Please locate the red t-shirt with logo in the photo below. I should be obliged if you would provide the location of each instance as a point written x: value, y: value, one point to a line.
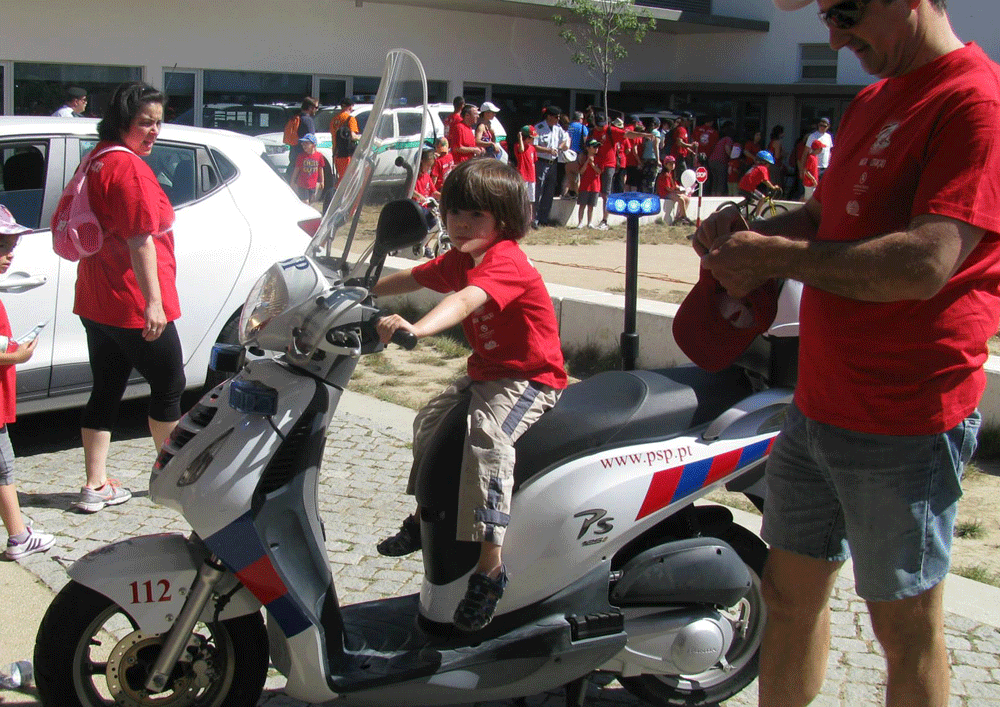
x: 526, y: 161
x: 464, y: 137
x: 752, y: 179
x: 8, y: 376
x: 128, y: 202
x: 515, y: 334
x: 927, y: 142
x: 309, y: 166
x: 423, y: 187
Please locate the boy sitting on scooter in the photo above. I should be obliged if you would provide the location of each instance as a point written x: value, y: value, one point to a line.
x: 515, y: 372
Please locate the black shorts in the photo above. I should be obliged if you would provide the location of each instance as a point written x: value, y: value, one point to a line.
x: 633, y: 176
x: 586, y: 198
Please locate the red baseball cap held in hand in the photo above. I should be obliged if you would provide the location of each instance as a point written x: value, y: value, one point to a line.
x: 713, y: 328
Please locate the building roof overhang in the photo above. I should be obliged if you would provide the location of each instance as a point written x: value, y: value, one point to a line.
x: 667, y: 21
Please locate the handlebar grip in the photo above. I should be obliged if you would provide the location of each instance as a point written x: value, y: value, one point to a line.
x: 406, y: 339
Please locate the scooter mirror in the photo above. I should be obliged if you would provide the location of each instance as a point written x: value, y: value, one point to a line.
x: 402, y: 224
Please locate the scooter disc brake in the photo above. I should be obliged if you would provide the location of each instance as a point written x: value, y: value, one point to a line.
x: 129, y: 665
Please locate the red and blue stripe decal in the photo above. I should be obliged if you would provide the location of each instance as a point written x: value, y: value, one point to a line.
x: 240, y: 549
x: 679, y: 482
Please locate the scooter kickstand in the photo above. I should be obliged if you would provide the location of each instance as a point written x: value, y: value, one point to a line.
x: 576, y: 691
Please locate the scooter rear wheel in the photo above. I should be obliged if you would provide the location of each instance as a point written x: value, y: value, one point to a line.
x: 713, y: 686
x: 89, y: 653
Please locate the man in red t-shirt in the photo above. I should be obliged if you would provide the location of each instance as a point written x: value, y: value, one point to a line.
x: 682, y: 149
x: 705, y: 136
x: 463, y: 146
x: 899, y: 251
x: 455, y: 118
x: 611, y: 137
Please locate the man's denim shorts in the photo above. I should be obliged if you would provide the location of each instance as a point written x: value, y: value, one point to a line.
x: 891, y: 500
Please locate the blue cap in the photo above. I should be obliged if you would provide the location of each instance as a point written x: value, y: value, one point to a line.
x: 766, y: 156
x: 309, y: 137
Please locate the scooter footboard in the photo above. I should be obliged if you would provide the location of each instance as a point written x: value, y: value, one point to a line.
x: 149, y: 577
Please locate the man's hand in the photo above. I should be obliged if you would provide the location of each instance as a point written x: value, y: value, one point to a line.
x: 717, y: 227
x: 736, y: 261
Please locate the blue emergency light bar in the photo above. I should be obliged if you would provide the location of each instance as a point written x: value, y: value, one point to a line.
x: 633, y: 204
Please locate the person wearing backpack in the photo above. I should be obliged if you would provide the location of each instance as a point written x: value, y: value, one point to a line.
x: 306, y: 125
x: 126, y: 292
x: 344, y: 128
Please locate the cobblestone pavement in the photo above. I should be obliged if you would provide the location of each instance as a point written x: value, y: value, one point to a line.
x: 361, y: 501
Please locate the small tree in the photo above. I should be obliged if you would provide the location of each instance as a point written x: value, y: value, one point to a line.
x: 594, y: 30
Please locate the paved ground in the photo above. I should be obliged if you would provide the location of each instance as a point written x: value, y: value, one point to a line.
x: 366, y: 459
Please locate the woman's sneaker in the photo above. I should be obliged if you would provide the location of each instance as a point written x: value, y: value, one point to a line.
x: 404, y: 542
x: 111, y: 494
x: 476, y: 609
x: 35, y: 542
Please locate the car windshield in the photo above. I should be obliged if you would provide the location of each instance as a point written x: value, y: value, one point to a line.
x: 246, y: 119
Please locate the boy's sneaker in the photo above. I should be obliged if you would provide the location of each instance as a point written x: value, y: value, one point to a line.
x: 111, y: 494
x: 404, y: 542
x: 476, y: 609
x: 35, y: 542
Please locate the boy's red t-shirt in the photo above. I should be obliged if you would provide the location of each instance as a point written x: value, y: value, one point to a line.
x: 526, y: 161
x: 423, y: 188
x: 632, y: 147
x: 8, y: 376
x: 128, y: 202
x: 811, y: 176
x: 610, y: 138
x: 309, y: 167
x: 680, y: 133
x: 927, y: 142
x: 443, y: 164
x: 590, y: 177
x: 515, y: 334
x: 752, y: 179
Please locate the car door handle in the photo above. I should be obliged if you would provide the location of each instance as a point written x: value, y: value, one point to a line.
x: 21, y: 282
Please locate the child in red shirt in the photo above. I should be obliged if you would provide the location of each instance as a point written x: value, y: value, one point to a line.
x: 308, y: 173
x: 516, y: 364
x: 590, y: 183
x: 670, y: 191
x: 443, y: 163
x: 22, y: 540
x: 757, y: 175
x: 810, y: 175
x: 525, y: 154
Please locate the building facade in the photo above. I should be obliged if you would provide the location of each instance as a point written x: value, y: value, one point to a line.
x: 733, y: 59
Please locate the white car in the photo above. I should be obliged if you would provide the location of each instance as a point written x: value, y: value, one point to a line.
x: 234, y: 218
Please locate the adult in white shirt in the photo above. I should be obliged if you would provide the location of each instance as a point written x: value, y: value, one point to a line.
x: 76, y: 103
x: 822, y: 134
x: 551, y: 139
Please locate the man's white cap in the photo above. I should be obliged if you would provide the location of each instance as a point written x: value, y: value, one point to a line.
x: 792, y: 4
x: 489, y: 106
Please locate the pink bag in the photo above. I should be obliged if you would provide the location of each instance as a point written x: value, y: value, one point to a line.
x: 76, y: 232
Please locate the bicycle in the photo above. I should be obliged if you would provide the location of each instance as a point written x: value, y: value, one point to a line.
x: 748, y: 206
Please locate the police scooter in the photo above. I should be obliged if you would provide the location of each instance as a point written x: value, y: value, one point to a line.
x: 614, y: 567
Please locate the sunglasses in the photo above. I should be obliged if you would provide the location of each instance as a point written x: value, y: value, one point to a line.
x: 844, y: 15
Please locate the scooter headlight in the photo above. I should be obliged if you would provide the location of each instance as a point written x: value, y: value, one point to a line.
x: 267, y: 299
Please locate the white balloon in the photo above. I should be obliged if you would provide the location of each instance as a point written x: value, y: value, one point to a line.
x: 688, y: 178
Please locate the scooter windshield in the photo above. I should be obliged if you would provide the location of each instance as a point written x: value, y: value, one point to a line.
x: 383, y: 167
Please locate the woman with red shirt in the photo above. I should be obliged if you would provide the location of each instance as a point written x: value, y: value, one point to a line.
x: 126, y: 293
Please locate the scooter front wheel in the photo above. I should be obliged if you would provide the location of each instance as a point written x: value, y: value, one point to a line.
x: 89, y: 653
x: 742, y: 659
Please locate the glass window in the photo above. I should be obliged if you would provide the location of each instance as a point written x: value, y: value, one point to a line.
x: 227, y: 170
x: 818, y: 64
x: 365, y: 88
x: 39, y: 89
x: 175, y: 169
x: 252, y: 102
x: 410, y: 122
x: 437, y: 91
x: 331, y: 91
x: 179, y: 89
x: 23, y: 179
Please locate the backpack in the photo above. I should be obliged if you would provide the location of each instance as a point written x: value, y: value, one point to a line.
x: 291, y: 136
x: 346, y: 144
x: 76, y: 233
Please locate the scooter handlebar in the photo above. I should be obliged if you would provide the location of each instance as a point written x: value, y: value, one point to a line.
x: 400, y: 337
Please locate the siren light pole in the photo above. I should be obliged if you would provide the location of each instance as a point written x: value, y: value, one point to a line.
x: 632, y: 206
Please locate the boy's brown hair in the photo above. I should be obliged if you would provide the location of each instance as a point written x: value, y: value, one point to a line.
x: 491, y: 186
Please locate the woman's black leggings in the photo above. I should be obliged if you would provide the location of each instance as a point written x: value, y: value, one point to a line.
x: 114, y: 352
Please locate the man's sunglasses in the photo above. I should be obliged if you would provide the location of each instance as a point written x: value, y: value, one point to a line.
x: 844, y: 15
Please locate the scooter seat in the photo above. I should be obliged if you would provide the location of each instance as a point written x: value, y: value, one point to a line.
x: 618, y: 407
